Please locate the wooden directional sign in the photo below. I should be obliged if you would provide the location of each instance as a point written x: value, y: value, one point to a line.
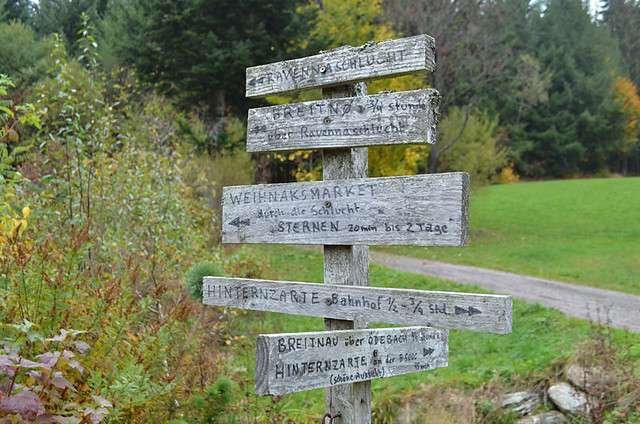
x: 419, y: 210
x: 381, y: 119
x: 344, y: 65
x: 289, y: 363
x: 460, y: 311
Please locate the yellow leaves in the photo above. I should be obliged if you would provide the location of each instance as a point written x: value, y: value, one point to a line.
x: 626, y: 93
x: 13, y: 135
x: 347, y: 22
x: 12, y: 224
x: 291, y: 156
x: 508, y: 175
x: 20, y: 225
x: 387, y: 161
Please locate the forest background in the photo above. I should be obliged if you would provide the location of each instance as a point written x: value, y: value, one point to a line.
x: 121, y: 120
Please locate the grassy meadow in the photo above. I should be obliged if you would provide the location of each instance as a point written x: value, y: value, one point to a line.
x: 481, y: 366
x: 582, y: 231
x: 579, y: 231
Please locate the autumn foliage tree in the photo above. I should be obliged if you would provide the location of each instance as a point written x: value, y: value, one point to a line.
x: 626, y: 94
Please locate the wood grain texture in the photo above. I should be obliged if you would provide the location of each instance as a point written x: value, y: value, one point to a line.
x: 344, y: 65
x: 289, y: 363
x: 380, y: 119
x: 456, y: 311
x: 346, y: 265
x: 419, y: 210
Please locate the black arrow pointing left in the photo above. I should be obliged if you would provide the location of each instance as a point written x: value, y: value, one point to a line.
x: 238, y: 222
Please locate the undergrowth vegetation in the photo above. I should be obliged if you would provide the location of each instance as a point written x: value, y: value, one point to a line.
x: 99, y: 219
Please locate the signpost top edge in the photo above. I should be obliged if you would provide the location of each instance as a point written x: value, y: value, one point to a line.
x: 441, y: 177
x: 214, y: 279
x: 343, y: 65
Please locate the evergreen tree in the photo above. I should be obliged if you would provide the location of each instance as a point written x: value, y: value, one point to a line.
x: 16, y: 10
x: 197, y: 50
x: 576, y: 129
x: 477, y: 65
x: 622, y: 17
x: 64, y: 17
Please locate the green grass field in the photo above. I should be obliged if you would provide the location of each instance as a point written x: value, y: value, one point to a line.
x: 579, y: 231
x: 542, y: 339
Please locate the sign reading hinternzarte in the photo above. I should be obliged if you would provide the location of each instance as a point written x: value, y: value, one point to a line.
x: 289, y: 363
x: 419, y: 210
x: 461, y: 311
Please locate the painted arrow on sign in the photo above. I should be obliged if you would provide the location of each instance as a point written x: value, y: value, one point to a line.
x: 238, y: 222
x: 256, y: 81
x: 471, y: 311
x: 419, y: 210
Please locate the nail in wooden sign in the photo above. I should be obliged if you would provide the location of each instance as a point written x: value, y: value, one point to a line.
x: 460, y: 311
x: 376, y: 120
x: 419, y: 210
x: 344, y: 65
x: 289, y: 363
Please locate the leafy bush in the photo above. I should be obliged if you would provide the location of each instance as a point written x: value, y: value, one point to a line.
x: 50, y: 387
x: 96, y: 239
x: 478, y: 151
x: 23, y: 57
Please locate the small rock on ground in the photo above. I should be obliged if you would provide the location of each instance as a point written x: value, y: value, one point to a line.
x: 568, y: 399
x: 552, y: 417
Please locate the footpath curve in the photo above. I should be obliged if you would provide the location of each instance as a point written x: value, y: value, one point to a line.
x: 616, y: 309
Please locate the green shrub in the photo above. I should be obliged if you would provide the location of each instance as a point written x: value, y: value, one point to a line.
x: 478, y: 150
x: 194, y: 275
x: 23, y: 57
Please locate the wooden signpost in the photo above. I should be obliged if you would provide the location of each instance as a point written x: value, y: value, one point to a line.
x: 420, y: 210
x: 289, y: 363
x: 346, y: 213
x: 381, y: 119
x: 342, y: 66
x: 457, y: 311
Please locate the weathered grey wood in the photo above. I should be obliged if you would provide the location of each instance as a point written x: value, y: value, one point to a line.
x: 346, y: 265
x: 380, y: 119
x: 344, y: 65
x: 289, y: 363
x: 456, y: 311
x: 419, y: 210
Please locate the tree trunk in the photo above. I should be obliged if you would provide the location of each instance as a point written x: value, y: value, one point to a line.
x: 214, y: 115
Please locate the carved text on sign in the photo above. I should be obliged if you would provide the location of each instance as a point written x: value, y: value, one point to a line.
x: 381, y: 119
x: 423, y: 210
x: 461, y: 311
x: 288, y: 363
x: 343, y: 66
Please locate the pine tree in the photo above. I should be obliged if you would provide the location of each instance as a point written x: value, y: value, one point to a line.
x: 197, y: 50
x: 622, y: 17
x: 64, y: 17
x: 16, y: 10
x: 577, y: 128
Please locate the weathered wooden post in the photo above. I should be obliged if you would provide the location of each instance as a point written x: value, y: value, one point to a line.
x: 347, y: 265
x: 346, y: 213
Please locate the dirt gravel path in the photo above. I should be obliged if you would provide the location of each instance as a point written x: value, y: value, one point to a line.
x: 620, y: 310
